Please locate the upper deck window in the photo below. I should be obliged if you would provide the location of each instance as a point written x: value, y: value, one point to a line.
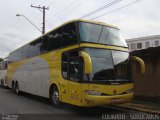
x: 69, y: 35
x: 55, y: 39
x: 100, y: 34
x: 42, y: 44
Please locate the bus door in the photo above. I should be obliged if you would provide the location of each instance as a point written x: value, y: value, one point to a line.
x: 71, y: 72
x: 74, y: 84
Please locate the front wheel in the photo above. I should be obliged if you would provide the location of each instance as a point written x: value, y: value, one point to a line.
x: 54, y: 96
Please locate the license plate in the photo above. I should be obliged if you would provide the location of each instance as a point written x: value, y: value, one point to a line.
x: 115, y: 100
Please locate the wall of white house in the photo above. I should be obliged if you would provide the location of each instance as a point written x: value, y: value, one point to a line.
x: 143, y: 43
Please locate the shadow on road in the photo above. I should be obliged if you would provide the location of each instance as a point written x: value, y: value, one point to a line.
x: 45, y: 111
x: 77, y: 110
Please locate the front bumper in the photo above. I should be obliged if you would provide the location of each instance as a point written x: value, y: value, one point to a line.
x: 91, y: 100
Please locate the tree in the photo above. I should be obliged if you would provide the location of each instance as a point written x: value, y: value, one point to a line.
x: 1, y: 59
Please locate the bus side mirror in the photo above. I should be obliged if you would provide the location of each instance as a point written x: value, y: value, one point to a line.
x: 141, y: 63
x: 87, y: 62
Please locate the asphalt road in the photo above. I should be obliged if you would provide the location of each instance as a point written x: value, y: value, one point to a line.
x: 29, y: 107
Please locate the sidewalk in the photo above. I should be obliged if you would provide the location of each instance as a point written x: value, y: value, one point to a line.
x: 142, y: 106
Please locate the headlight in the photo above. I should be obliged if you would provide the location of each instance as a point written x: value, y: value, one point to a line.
x: 92, y: 92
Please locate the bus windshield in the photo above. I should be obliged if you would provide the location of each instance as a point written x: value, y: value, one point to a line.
x: 100, y: 34
x: 109, y: 65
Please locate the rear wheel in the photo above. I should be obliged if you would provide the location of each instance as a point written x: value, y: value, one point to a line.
x: 54, y: 96
x: 2, y: 82
x: 16, y: 89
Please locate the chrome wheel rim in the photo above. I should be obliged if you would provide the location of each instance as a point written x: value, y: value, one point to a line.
x: 17, y: 90
x: 55, y: 97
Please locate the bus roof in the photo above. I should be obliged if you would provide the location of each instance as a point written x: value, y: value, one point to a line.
x: 82, y: 20
x: 76, y: 20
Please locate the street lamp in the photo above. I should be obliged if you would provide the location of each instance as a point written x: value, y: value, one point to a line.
x: 18, y: 15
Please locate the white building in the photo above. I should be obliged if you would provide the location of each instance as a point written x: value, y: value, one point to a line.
x: 143, y: 42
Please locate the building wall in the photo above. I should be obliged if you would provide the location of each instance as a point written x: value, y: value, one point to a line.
x: 153, y: 41
x: 147, y: 84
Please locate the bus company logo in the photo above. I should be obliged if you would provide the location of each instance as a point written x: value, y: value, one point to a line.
x: 114, y: 92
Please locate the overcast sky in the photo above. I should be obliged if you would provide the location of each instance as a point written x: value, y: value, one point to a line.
x: 137, y: 20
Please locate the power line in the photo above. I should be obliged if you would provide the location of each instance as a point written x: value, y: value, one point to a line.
x: 86, y: 6
x: 69, y: 9
x: 64, y: 9
x: 73, y: 11
x: 117, y: 9
x: 79, y: 8
x: 101, y: 8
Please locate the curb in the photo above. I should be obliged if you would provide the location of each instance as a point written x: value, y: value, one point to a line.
x: 139, y: 109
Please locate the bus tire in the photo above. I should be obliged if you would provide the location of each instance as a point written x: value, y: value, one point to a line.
x: 12, y: 85
x: 16, y: 88
x: 2, y: 83
x: 54, y: 96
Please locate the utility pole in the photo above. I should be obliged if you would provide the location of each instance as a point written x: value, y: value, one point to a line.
x: 44, y: 12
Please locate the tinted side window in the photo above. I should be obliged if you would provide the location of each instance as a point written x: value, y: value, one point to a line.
x: 55, y: 40
x: 69, y: 34
x: 71, y: 66
x: 42, y: 44
x: 25, y: 51
x: 32, y: 49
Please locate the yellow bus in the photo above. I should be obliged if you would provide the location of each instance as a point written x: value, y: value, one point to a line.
x: 81, y: 62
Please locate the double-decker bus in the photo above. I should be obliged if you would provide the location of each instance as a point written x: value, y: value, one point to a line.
x: 81, y: 62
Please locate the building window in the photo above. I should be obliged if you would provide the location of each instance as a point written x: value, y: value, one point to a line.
x: 133, y: 46
x: 139, y: 45
x: 147, y: 44
x: 156, y: 43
